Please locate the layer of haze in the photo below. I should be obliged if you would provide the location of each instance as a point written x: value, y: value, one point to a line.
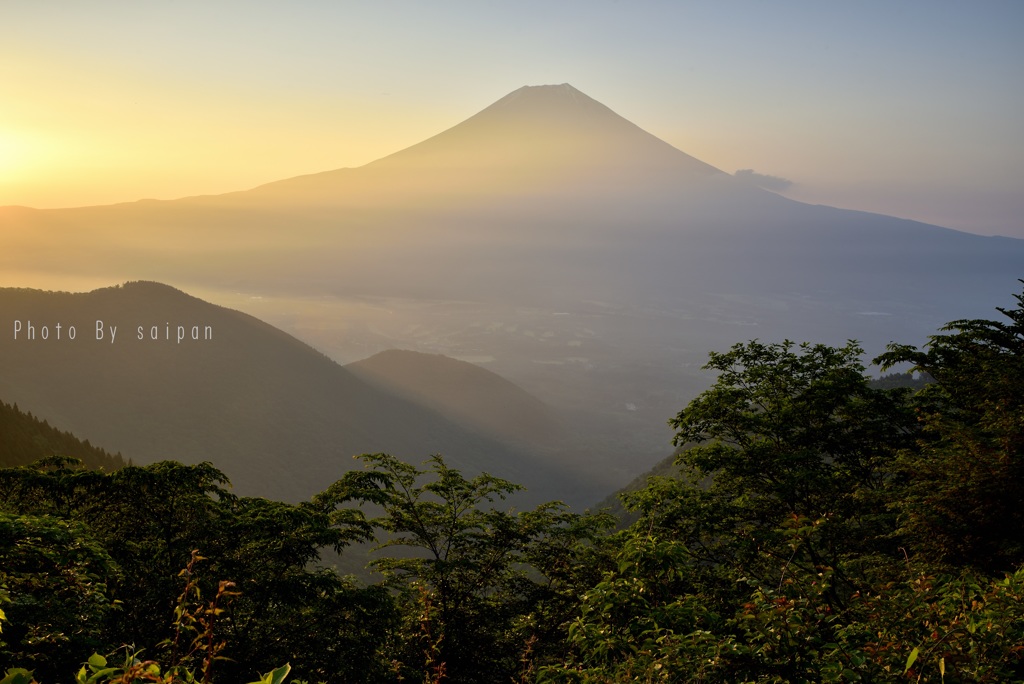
x: 912, y: 108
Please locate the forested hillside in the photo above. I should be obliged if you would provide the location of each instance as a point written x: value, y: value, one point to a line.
x: 24, y: 439
x: 817, y: 528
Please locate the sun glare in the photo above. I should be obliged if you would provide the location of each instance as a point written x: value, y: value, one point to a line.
x: 13, y: 153
x: 34, y: 165
x: 22, y: 155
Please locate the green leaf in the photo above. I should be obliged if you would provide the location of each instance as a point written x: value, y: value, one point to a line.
x: 104, y: 674
x: 96, y: 661
x: 17, y: 675
x: 275, y: 676
x: 910, y: 659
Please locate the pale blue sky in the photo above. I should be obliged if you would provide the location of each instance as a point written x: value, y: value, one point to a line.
x: 913, y: 108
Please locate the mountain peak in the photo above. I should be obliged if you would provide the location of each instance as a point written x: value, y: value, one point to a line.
x: 561, y: 102
x: 542, y: 139
x: 562, y: 91
x: 546, y: 127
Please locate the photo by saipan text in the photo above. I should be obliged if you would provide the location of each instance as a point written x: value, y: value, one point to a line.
x: 27, y: 331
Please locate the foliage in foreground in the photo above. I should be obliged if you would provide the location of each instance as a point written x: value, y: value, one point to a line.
x: 92, y: 564
x: 820, y: 529
x: 824, y: 530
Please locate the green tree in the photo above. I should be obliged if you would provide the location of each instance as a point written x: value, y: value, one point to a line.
x: 478, y: 586
x: 57, y: 579
x: 788, y: 438
x: 149, y: 521
x: 289, y: 609
x: 965, y: 485
x: 747, y: 565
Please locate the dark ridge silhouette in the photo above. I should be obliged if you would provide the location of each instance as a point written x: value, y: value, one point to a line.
x: 24, y: 439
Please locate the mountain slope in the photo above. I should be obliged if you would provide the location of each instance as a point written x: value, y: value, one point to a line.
x: 470, y: 395
x: 278, y: 417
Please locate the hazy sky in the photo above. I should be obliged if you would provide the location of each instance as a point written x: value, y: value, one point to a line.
x: 909, y: 107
